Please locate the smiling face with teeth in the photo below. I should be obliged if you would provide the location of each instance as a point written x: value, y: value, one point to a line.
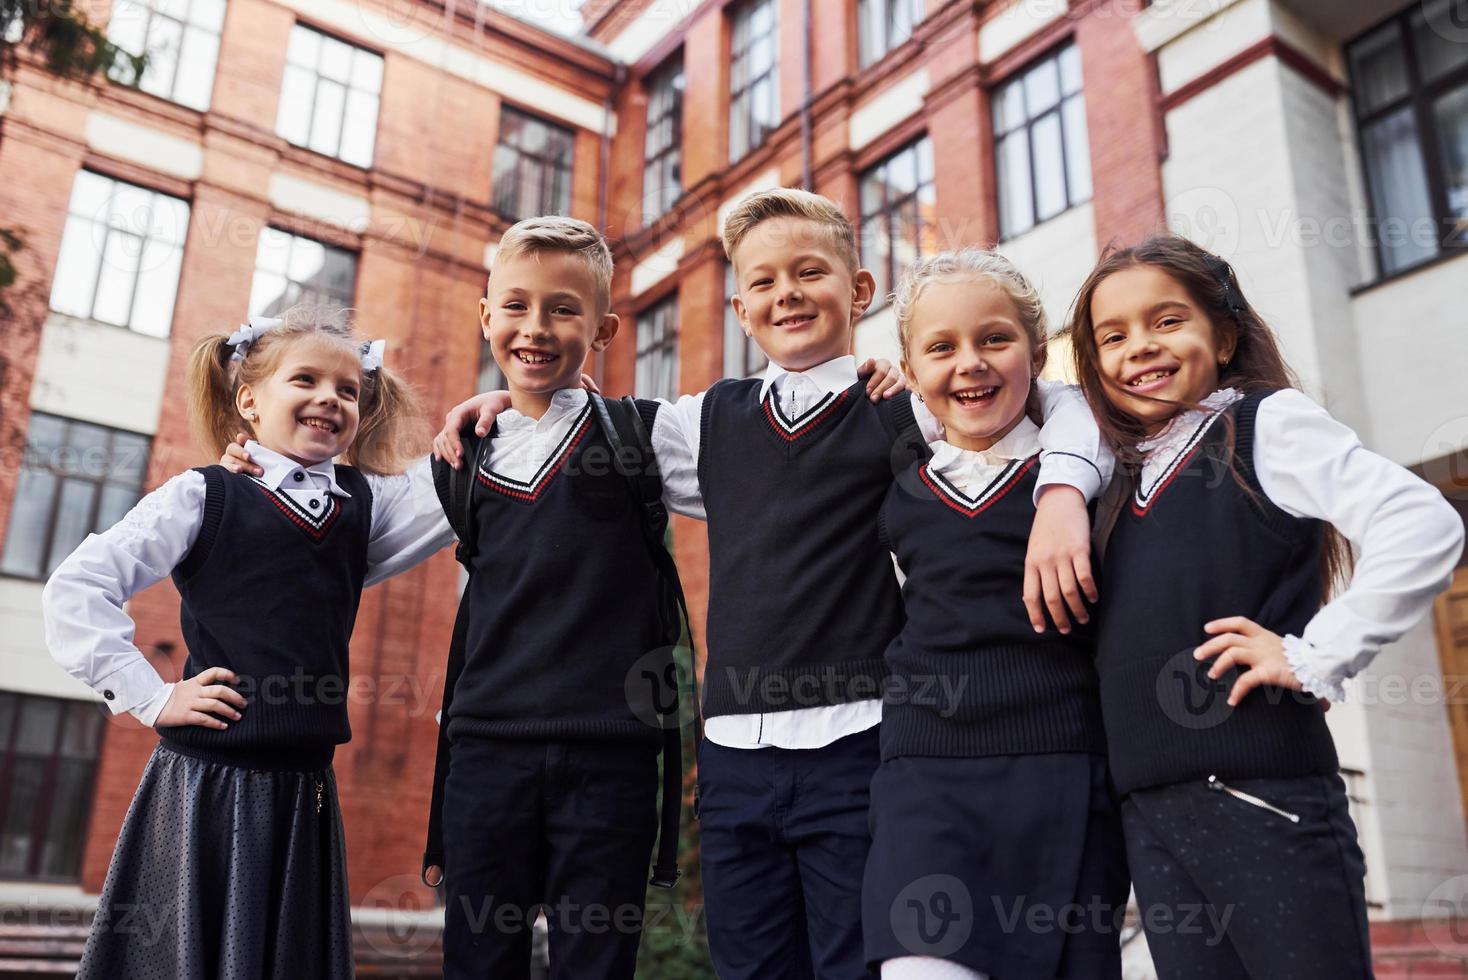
x: 1157, y: 349
x: 970, y: 358
x: 541, y: 318
x: 307, y: 407
x: 797, y: 297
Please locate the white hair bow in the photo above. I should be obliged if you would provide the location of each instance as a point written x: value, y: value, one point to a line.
x: 372, y: 352
x: 250, y: 332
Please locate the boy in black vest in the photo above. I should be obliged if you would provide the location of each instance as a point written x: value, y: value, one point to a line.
x: 550, y: 798
x: 790, y: 472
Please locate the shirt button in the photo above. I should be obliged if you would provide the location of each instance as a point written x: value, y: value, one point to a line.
x: 109, y: 695
x: 315, y: 504
x: 298, y: 476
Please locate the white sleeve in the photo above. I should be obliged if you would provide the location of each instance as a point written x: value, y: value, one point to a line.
x: 87, y: 629
x: 1407, y: 538
x: 1071, y: 450
x: 408, y: 522
x: 675, y: 441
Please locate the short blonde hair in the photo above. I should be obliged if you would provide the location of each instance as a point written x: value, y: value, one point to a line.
x: 971, y: 265
x: 787, y: 202
x: 553, y: 233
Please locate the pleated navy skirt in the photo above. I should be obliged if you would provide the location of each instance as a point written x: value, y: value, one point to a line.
x: 1014, y: 865
x: 225, y: 873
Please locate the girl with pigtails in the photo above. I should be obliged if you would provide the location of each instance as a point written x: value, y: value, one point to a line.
x: 230, y: 862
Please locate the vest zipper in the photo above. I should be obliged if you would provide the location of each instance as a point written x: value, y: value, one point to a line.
x: 320, y: 794
x: 1215, y: 783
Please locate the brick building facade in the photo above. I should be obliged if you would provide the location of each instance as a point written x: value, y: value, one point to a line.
x: 1286, y: 134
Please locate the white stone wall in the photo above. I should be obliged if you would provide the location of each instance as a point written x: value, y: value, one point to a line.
x: 1263, y: 169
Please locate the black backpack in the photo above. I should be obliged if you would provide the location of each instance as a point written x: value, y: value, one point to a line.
x: 633, y: 456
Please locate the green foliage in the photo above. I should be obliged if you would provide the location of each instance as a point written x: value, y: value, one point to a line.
x: 10, y: 243
x: 675, y: 934
x: 72, y: 47
x: 58, y: 31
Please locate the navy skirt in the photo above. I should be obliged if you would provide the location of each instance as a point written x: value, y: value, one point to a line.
x: 1014, y: 866
x: 225, y: 873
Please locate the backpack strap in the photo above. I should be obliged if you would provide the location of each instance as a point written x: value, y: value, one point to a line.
x: 908, y: 444
x: 456, y: 494
x: 627, y: 430
x: 455, y: 490
x: 209, y: 529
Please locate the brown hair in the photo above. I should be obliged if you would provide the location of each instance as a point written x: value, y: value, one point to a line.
x: 390, y: 432
x: 1255, y: 365
x: 978, y: 265
x: 787, y: 202
x: 552, y: 233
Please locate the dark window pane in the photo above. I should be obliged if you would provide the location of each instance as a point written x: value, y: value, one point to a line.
x: 1399, y: 196
x: 16, y: 838
x: 129, y: 460
x: 9, y: 706
x: 1438, y: 35
x: 1452, y: 131
x: 40, y: 721
x: 82, y: 730
x: 30, y: 518
x: 74, y: 519
x: 70, y: 804
x: 1379, y: 68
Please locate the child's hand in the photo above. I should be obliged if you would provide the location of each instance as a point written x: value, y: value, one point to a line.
x: 236, y: 460
x: 484, y: 407
x: 1244, y: 642
x: 197, y: 700
x: 1058, y: 562
x: 589, y: 383
x: 883, y: 380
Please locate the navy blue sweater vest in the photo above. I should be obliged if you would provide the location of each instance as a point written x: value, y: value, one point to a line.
x: 270, y: 591
x: 969, y: 675
x: 802, y: 597
x: 1199, y: 546
x: 566, y: 607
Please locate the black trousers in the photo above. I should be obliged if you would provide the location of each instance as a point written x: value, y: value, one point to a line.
x: 1229, y: 889
x: 783, y: 841
x: 566, y: 828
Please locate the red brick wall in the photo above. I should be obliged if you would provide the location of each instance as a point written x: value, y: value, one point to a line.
x: 420, y: 274
x: 1126, y: 148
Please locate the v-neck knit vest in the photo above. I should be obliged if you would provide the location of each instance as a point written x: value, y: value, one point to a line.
x: 1199, y: 546
x: 802, y: 595
x: 270, y: 591
x: 969, y: 675
x: 565, y: 602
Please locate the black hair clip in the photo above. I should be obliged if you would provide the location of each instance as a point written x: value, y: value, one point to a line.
x: 1232, y: 297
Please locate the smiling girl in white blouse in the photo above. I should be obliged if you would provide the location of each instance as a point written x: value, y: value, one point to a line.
x: 1217, y: 648
x: 230, y: 862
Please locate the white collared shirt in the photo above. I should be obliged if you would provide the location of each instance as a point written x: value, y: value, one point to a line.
x: 1072, y: 453
x: 87, y: 627
x: 970, y: 470
x: 1407, y: 538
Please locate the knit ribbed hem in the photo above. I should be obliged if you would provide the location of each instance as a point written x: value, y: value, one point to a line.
x: 731, y: 690
x: 1024, y: 699
x: 571, y: 729
x: 1163, y: 726
x: 295, y: 757
x: 283, y: 716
